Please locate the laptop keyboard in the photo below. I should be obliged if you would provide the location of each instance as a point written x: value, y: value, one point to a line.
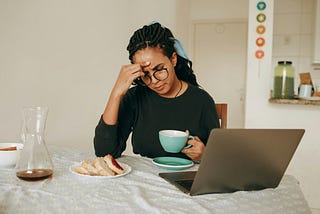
x: 185, y: 183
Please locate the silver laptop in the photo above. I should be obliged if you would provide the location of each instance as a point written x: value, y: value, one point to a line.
x: 240, y: 159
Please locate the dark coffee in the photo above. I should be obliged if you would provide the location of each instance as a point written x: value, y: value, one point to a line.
x: 34, y: 174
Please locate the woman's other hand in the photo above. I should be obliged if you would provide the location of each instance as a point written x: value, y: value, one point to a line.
x: 196, y: 151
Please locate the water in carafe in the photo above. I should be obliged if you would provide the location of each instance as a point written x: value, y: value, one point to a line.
x: 34, y: 162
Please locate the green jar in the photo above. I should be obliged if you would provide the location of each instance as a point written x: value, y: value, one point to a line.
x: 283, y: 84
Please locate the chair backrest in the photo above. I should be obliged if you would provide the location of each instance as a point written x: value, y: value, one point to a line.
x: 222, y: 110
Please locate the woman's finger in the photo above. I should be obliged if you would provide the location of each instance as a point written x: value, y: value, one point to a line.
x: 145, y: 64
x: 196, y: 138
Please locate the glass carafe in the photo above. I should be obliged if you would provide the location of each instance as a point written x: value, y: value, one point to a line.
x: 34, y: 162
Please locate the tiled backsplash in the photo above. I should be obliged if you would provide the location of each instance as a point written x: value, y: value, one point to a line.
x: 293, y: 36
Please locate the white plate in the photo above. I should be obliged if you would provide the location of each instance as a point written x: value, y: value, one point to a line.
x: 126, y: 168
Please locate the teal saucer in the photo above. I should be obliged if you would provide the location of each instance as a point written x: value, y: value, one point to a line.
x: 172, y: 163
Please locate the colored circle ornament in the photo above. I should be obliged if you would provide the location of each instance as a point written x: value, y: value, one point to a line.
x: 261, y: 17
x: 261, y: 5
x: 259, y: 54
x: 260, y: 42
x: 261, y: 29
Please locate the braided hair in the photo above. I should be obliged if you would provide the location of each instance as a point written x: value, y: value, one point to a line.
x: 155, y: 35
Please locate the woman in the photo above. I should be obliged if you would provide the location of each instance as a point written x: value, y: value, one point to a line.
x: 166, y: 95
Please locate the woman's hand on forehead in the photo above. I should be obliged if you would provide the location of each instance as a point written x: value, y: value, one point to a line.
x: 145, y: 64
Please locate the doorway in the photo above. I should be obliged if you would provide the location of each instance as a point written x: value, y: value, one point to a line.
x: 220, y: 57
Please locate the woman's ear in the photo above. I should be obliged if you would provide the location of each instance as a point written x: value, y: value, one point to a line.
x: 174, y: 59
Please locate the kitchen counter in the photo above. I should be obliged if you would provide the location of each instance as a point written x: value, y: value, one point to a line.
x: 311, y: 101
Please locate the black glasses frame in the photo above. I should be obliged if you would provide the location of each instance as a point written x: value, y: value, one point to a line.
x: 139, y: 80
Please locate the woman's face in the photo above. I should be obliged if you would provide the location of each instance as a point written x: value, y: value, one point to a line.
x: 158, y: 61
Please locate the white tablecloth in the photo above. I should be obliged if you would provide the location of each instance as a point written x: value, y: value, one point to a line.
x: 140, y: 191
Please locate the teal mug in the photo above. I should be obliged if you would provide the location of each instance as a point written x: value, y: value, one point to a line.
x: 174, y: 141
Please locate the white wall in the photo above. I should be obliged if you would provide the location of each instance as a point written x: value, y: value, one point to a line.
x: 293, y: 36
x: 66, y: 55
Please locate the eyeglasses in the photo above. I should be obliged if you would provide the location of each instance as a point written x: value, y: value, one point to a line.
x: 160, y: 74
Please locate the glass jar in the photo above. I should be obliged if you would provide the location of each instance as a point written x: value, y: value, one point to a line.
x: 283, y: 84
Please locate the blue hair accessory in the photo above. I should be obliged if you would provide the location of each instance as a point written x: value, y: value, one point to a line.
x: 179, y: 49
x: 177, y: 44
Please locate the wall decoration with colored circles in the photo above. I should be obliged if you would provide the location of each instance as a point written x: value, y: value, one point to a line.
x: 260, y: 29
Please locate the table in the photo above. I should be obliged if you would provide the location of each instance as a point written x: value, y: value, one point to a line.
x: 140, y: 191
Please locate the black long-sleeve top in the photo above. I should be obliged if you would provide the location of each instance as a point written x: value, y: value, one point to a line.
x: 144, y: 113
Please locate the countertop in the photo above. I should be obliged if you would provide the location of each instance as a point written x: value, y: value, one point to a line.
x: 297, y: 101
